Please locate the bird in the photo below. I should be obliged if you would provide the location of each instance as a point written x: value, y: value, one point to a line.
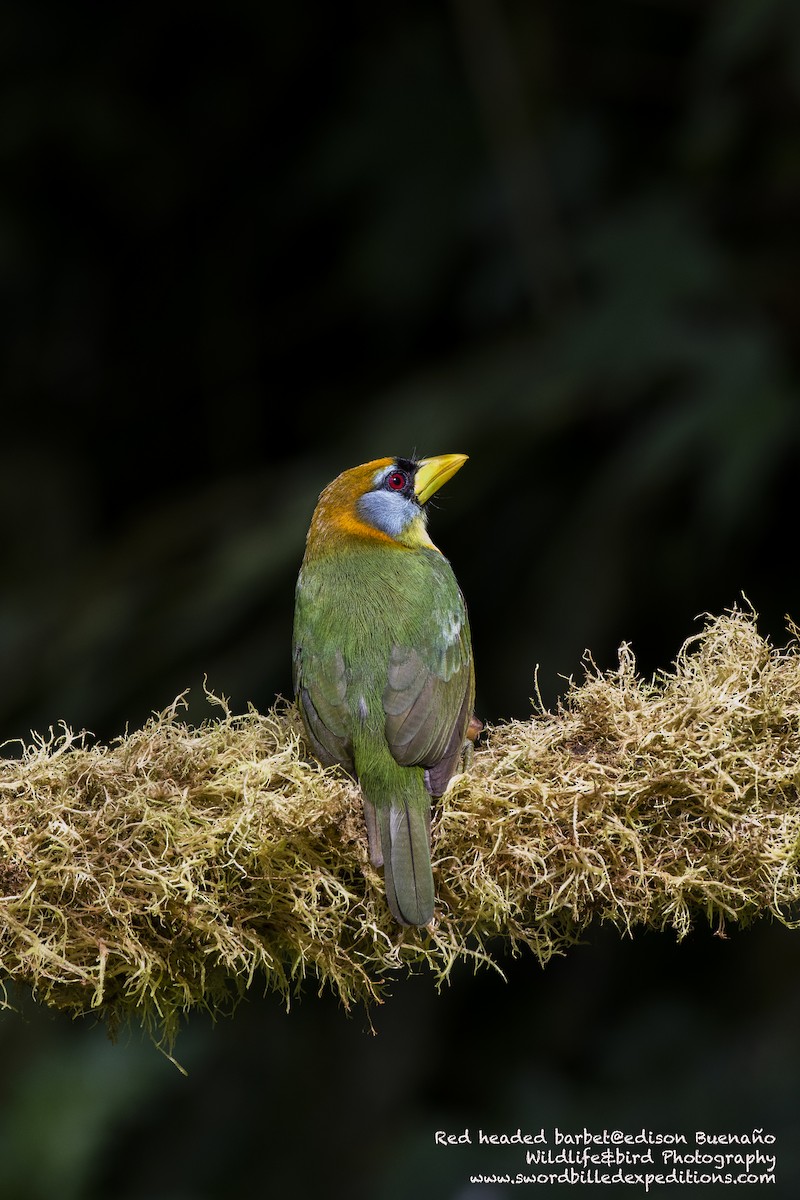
x: 382, y: 660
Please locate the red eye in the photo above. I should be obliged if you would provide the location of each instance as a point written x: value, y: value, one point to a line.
x: 396, y: 481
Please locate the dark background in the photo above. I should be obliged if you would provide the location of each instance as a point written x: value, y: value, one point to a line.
x: 243, y: 251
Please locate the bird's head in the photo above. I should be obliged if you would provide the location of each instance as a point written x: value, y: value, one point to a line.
x: 381, y: 501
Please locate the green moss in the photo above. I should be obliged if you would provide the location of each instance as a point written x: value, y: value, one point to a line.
x: 179, y: 866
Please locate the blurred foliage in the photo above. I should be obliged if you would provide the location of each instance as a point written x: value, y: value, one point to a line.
x: 243, y: 249
x: 243, y: 252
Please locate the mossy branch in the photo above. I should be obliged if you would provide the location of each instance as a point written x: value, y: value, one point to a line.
x: 178, y: 866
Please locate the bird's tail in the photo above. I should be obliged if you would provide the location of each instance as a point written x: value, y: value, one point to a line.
x: 406, y: 843
x: 399, y: 831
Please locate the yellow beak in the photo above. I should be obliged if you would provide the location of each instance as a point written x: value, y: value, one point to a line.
x: 433, y: 472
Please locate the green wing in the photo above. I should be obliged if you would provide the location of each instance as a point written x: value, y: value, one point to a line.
x: 430, y: 687
x: 320, y: 683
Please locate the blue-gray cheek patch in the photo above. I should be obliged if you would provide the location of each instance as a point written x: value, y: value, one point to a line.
x: 387, y: 511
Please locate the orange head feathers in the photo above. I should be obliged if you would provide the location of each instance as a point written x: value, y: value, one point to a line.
x: 380, y: 501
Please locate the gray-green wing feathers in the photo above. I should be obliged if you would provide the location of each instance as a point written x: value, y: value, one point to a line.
x: 321, y: 674
x: 428, y: 701
x: 321, y: 690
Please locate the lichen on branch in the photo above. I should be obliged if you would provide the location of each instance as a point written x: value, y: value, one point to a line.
x: 179, y: 866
